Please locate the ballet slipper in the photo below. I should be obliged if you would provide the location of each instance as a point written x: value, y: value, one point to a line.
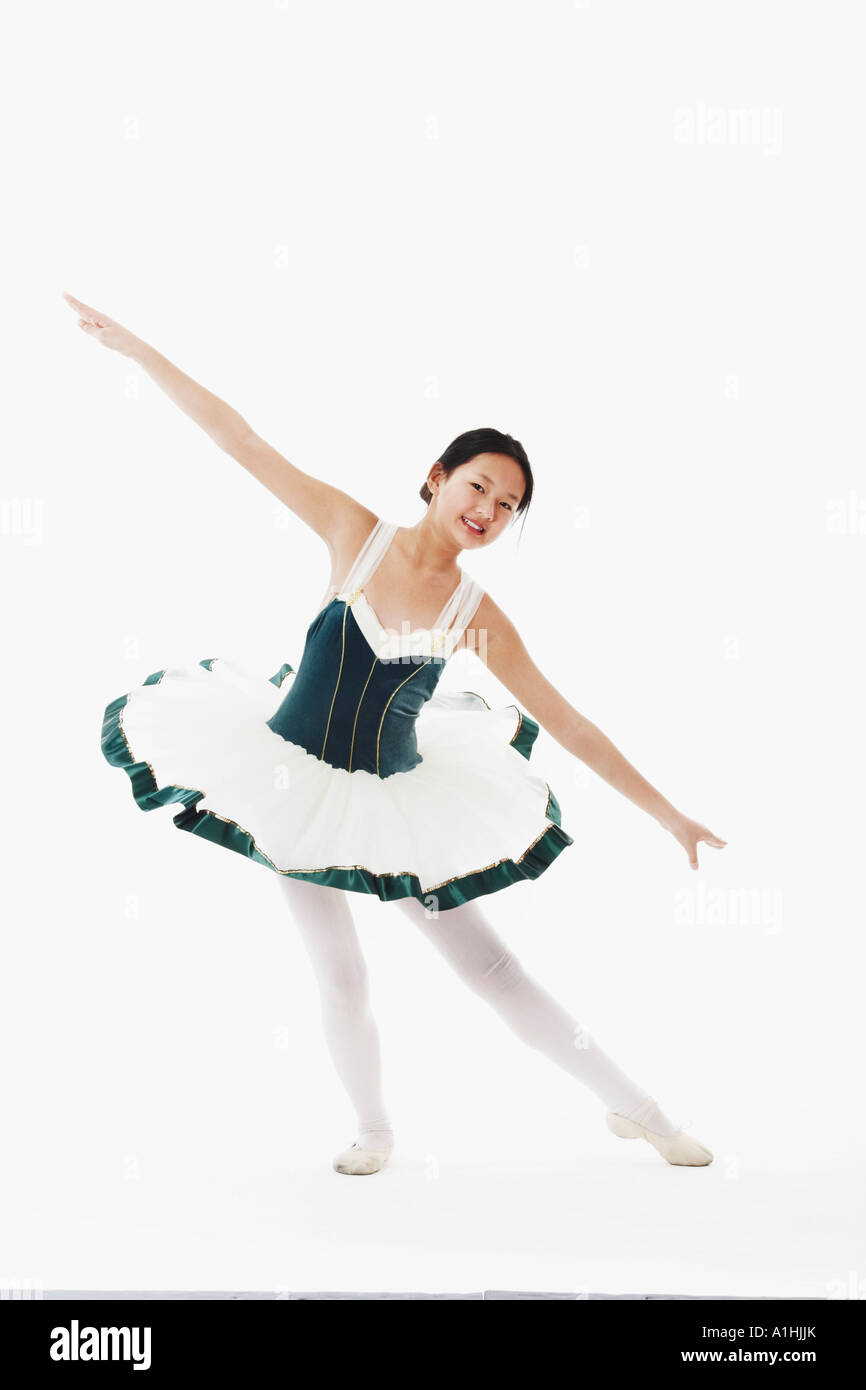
x: 679, y: 1148
x: 356, y: 1159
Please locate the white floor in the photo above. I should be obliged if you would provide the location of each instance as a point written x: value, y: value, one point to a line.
x: 575, y: 1210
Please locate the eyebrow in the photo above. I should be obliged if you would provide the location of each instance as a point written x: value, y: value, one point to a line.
x: 512, y: 495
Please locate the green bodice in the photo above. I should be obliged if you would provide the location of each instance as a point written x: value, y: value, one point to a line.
x: 350, y: 707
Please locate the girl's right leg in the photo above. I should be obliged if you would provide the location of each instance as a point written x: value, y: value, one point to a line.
x: 473, y: 949
x: 481, y: 958
x: 324, y: 919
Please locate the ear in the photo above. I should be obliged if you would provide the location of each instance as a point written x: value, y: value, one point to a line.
x: 435, y: 477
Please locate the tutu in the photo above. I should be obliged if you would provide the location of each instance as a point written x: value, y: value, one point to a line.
x: 353, y: 770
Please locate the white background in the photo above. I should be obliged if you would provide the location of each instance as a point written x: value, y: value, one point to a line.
x: 370, y: 228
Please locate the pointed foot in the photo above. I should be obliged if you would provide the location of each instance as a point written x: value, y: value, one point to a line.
x: 680, y: 1148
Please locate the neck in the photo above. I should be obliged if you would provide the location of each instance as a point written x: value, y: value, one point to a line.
x: 430, y: 550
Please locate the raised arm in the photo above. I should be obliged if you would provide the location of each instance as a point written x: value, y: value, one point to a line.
x: 334, y: 516
x: 505, y: 654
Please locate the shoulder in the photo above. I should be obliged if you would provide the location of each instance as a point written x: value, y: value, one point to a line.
x: 490, y: 631
x: 493, y: 620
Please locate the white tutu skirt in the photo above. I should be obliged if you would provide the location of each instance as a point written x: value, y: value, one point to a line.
x: 469, y: 819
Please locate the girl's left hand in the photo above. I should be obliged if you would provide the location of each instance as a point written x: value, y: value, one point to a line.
x: 689, y: 834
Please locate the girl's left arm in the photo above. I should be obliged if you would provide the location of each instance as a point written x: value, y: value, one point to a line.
x: 501, y: 647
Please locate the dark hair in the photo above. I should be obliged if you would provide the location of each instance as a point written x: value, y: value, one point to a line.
x: 473, y: 442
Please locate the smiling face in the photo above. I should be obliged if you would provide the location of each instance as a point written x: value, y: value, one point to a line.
x: 478, y: 500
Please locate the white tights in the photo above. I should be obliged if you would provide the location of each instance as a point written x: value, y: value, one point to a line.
x: 484, y: 962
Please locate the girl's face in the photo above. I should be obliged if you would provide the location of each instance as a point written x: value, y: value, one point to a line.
x: 478, y: 500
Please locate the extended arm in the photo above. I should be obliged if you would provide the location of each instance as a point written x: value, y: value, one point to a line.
x: 506, y: 656
x: 329, y: 511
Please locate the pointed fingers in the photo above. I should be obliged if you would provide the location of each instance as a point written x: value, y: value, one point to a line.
x: 85, y: 310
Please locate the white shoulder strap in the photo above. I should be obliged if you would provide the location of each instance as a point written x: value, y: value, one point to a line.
x: 369, y: 555
x: 365, y: 561
x: 460, y: 609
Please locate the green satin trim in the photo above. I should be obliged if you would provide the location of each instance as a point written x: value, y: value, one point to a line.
x: 352, y: 878
x: 527, y: 729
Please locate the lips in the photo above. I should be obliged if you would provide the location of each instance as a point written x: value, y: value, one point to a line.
x: 471, y: 526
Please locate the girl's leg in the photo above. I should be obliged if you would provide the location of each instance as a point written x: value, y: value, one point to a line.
x: 471, y: 946
x: 324, y: 919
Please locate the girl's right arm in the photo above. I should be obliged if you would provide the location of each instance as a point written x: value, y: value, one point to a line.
x: 334, y: 516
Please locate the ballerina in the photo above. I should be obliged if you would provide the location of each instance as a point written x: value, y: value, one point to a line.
x: 354, y: 774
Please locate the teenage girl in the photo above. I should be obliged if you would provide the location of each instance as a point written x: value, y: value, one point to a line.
x: 392, y: 581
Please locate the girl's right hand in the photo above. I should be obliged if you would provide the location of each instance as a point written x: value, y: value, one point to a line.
x: 100, y: 326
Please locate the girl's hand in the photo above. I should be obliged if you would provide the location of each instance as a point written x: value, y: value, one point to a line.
x: 100, y: 326
x: 689, y: 833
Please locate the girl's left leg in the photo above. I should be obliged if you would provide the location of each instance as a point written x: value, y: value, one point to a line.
x: 484, y: 962
x: 324, y: 920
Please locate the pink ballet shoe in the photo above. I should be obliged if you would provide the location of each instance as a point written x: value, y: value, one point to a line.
x: 356, y: 1159
x: 679, y: 1148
